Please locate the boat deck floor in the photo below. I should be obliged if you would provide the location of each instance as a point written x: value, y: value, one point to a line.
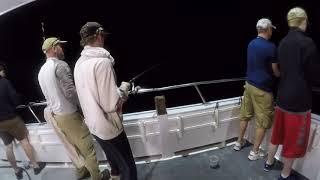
x: 233, y: 166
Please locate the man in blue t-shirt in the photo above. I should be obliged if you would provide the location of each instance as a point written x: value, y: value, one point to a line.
x: 257, y: 96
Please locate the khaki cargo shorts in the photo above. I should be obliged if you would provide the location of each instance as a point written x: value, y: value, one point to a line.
x: 259, y: 103
x: 14, y: 127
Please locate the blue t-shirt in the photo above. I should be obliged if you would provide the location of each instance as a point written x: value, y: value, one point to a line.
x: 261, y: 53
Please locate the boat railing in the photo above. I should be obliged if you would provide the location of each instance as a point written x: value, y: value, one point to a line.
x: 29, y: 107
x: 196, y: 85
x: 138, y: 90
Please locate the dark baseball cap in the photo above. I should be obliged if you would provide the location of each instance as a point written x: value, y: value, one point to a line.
x: 90, y: 28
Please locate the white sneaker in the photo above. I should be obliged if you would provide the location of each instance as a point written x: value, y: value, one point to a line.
x: 253, y: 156
x: 239, y: 145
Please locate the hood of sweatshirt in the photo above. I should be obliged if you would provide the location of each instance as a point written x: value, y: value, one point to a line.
x: 96, y: 52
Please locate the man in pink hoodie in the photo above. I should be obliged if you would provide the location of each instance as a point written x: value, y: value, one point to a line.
x: 101, y: 101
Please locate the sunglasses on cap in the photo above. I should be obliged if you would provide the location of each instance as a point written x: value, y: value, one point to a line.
x: 101, y: 31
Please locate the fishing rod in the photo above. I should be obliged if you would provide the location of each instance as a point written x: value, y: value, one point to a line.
x: 316, y: 89
x: 131, y: 81
x: 142, y: 73
x: 43, y: 32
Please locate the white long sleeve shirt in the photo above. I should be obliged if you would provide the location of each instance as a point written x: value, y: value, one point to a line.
x: 57, y: 86
x: 97, y: 90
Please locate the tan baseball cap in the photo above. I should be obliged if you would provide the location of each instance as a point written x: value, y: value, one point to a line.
x: 296, y: 13
x: 50, y: 42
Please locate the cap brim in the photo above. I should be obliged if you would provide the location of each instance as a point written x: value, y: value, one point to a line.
x: 59, y: 42
x: 105, y: 33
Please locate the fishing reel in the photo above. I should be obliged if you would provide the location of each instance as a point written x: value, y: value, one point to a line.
x: 134, y: 89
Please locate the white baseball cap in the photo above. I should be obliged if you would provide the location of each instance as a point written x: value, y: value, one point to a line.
x: 264, y: 23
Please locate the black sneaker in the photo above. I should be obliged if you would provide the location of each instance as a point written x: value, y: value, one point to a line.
x: 39, y: 169
x: 105, y: 175
x: 19, y: 174
x: 269, y: 167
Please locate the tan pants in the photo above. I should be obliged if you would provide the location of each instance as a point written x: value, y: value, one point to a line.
x: 77, y: 133
x: 259, y: 103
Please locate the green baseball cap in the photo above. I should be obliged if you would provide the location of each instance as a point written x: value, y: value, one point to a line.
x: 50, y: 42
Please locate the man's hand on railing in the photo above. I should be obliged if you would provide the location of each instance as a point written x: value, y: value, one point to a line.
x: 124, y: 90
x: 135, y: 90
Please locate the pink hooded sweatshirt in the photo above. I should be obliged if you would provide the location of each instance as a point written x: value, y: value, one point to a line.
x: 98, y: 92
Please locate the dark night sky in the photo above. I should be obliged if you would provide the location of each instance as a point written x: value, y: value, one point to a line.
x: 194, y: 40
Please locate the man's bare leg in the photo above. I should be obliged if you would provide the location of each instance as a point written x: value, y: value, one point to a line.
x: 28, y: 149
x: 272, y: 150
x: 260, y: 132
x: 11, y: 157
x: 287, y: 166
x: 243, y: 128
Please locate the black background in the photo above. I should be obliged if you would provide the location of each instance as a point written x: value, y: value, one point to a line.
x: 193, y: 40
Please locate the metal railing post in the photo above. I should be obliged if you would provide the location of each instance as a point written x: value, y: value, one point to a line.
x: 200, y: 94
x: 34, y: 114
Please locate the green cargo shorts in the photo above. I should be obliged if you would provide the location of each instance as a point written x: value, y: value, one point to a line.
x: 259, y: 103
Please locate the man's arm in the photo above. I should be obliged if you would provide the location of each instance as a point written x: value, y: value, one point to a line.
x: 274, y: 62
x: 275, y: 69
x: 313, y: 64
x: 107, y: 89
x: 13, y: 95
x: 64, y: 77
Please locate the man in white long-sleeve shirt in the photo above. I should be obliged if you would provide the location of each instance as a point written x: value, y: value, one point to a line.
x: 101, y: 101
x: 57, y: 85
